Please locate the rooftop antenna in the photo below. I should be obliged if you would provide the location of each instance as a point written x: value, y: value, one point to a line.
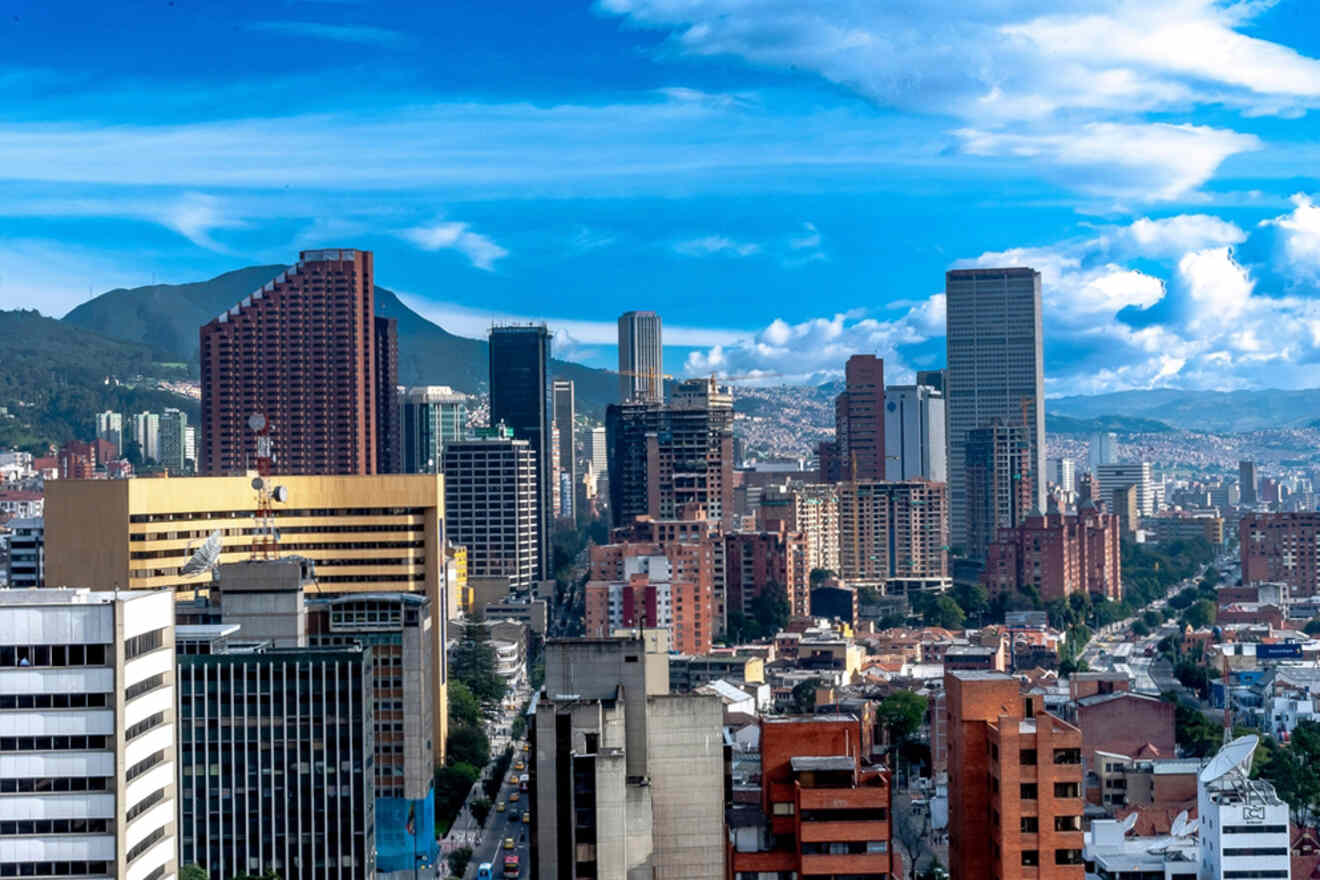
x: 1130, y: 821
x: 265, y: 538
x: 1181, y: 827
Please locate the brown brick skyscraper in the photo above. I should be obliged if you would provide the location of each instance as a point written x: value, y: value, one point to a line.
x: 300, y: 351
x: 859, y: 419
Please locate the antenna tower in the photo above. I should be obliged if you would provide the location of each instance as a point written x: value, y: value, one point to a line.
x: 264, y: 539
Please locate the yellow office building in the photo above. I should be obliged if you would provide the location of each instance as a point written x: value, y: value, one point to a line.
x: 365, y: 533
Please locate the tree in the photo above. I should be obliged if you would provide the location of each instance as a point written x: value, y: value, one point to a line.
x: 133, y: 453
x: 901, y: 713
x: 1069, y: 665
x: 468, y: 744
x: 770, y: 609
x: 463, y: 706
x: 1152, y: 619
x: 480, y: 810
x: 972, y: 599
x: 459, y: 859
x: 909, y: 834
x: 193, y: 872
x: 804, y: 697
x: 945, y: 613
x: 1201, y: 613
x: 1140, y: 629
x: 1312, y: 626
x: 819, y: 576
x: 472, y: 662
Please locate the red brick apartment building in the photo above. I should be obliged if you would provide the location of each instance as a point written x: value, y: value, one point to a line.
x: 826, y: 805
x: 1015, y: 783
x: 301, y: 351
x: 754, y: 560
x: 1281, y: 547
x: 859, y: 419
x: 626, y: 590
x: 1058, y: 554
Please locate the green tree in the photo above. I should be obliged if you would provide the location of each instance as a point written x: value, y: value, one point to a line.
x: 819, y: 576
x: 972, y: 599
x: 1069, y: 665
x: 770, y: 609
x: 1152, y: 619
x: 459, y: 860
x: 901, y: 714
x: 468, y: 744
x: 1312, y: 626
x: 1140, y: 629
x: 944, y: 612
x: 1200, y: 613
x: 193, y: 872
x: 472, y: 662
x: 463, y: 706
x: 804, y: 697
x: 480, y: 810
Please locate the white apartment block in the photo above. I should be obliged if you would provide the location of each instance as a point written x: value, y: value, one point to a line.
x: 1109, y: 477
x: 87, y: 734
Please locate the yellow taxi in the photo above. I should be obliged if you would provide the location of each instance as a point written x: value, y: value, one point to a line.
x: 527, y: 817
x: 520, y: 766
x: 513, y: 798
x: 508, y: 843
x: 499, y: 808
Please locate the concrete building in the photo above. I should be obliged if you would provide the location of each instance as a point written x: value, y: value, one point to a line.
x: 1171, y: 526
x: 300, y: 351
x: 1242, y: 824
x: 1281, y: 547
x: 27, y: 552
x: 519, y: 399
x: 995, y: 371
x: 894, y: 535
x: 599, y: 460
x: 491, y: 500
x: 431, y: 416
x: 87, y: 724
x: 1110, y: 477
x: 998, y: 484
x: 859, y: 418
x: 1248, y: 483
x: 692, y: 527
x: 298, y: 799
x: 628, y: 780
x: 1063, y: 473
x: 110, y: 428
x: 1015, y: 782
x: 641, y: 357
x: 1057, y: 555
x: 824, y: 804
x: 811, y: 509
x: 1125, y: 723
x: 916, y: 445
x: 1126, y: 503
x: 653, y: 586
x: 565, y: 449
x: 173, y: 441
x: 145, y: 429
x: 1103, y: 449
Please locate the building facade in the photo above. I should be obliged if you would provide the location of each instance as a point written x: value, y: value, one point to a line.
x: 491, y: 500
x: 301, y: 352
x: 811, y: 509
x: 998, y: 483
x: 431, y: 416
x: 859, y: 418
x: 755, y: 562
x: 653, y: 586
x: 894, y: 534
x: 565, y: 449
x: 641, y: 357
x: 1281, y: 548
x: 916, y: 445
x: 88, y: 727
x: 1057, y: 555
x: 1119, y: 475
x: 1248, y: 483
x: 27, y: 552
x: 995, y: 371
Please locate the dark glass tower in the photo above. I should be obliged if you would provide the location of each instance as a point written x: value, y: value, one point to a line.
x: 519, y: 397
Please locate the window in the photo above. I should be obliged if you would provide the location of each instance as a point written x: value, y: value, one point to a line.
x: 1030, y: 857
x: 1067, y: 823
x: 1254, y: 875
x: 1067, y: 756
x: 1257, y: 851
x: 1027, y: 757
x: 1067, y: 790
x: 1255, y: 829
x: 1028, y: 791
x: 1030, y: 825
x: 141, y: 644
x: 1067, y: 857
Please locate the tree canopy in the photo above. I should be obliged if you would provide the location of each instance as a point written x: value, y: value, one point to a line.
x: 902, y: 714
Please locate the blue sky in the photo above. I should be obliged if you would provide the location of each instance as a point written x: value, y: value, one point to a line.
x: 786, y: 183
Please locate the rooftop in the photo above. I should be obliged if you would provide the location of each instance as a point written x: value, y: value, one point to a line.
x: 69, y: 596
x: 822, y: 762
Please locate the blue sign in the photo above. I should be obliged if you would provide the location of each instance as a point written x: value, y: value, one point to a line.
x: 1288, y: 651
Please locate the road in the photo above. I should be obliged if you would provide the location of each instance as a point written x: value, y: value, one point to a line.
x: 501, y: 825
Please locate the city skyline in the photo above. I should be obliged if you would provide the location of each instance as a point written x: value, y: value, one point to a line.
x: 1163, y: 199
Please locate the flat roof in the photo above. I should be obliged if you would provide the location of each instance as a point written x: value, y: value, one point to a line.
x: 69, y: 596
x: 980, y: 675
x: 822, y: 762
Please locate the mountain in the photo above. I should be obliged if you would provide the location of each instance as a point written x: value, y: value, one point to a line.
x: 54, y: 379
x: 1212, y: 411
x: 166, y: 318
x: 1059, y: 424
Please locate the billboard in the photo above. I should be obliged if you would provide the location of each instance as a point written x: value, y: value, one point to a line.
x: 1288, y: 651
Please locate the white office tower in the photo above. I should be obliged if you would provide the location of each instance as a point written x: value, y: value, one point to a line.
x: 1243, y: 825
x: 87, y: 764
x: 915, y: 446
x: 1109, y: 477
x: 1103, y: 450
x: 27, y: 552
x: 1063, y: 473
x: 146, y: 431
x: 641, y: 357
x: 110, y: 428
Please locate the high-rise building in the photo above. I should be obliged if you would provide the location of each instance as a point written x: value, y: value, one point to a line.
x: 1103, y: 449
x: 932, y: 379
x: 998, y: 483
x: 301, y: 352
x: 600, y: 459
x: 1109, y: 477
x: 894, y: 535
x: 146, y: 431
x: 915, y: 442
x: 811, y: 509
x: 1280, y: 547
x: 755, y: 562
x: 490, y: 504
x: 628, y: 779
x: 77, y: 460
x: 1063, y: 473
x: 432, y: 415
x: 1243, y: 826
x: 110, y: 428
x: 995, y: 371
x: 190, y: 449
x: 87, y: 723
x: 859, y: 418
x: 280, y: 778
x: 389, y: 451
x: 653, y: 586
x: 1057, y: 555
x: 824, y: 804
x: 1015, y: 782
x: 627, y: 426
x: 564, y: 414
x: 641, y: 357
x: 27, y: 552
x: 691, y: 527
x: 1248, y: 483
x: 519, y: 398
x: 174, y: 441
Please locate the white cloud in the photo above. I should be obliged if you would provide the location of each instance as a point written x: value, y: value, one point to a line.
x: 717, y: 245
x: 1301, y: 236
x: 480, y: 250
x: 195, y: 216
x: 1173, y: 236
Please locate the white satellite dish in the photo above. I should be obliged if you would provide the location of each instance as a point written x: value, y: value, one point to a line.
x: 1230, y: 758
x: 280, y: 494
x: 256, y: 421
x: 1130, y: 822
x: 205, y: 558
x: 1181, y: 827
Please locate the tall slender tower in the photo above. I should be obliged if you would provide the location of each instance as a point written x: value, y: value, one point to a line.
x: 562, y: 391
x: 995, y: 371
x: 519, y: 397
x: 641, y: 357
x: 859, y: 418
x: 301, y: 351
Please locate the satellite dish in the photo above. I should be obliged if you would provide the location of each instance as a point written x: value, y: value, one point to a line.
x: 256, y: 421
x: 1230, y: 758
x: 1130, y: 822
x: 205, y: 558
x: 280, y: 494
x: 1181, y: 827
x: 258, y: 483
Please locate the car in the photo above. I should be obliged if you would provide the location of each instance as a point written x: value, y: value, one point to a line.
x: 527, y: 817
x: 508, y: 843
x: 499, y: 808
x: 513, y: 798
x: 520, y: 766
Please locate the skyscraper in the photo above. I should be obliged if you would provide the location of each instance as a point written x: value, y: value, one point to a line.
x: 915, y: 446
x: 1109, y: 477
x: 519, y: 392
x: 1000, y: 491
x: 1248, y: 483
x: 562, y: 390
x: 859, y: 418
x: 490, y: 500
x: 1063, y: 473
x: 173, y: 440
x: 995, y: 371
x: 641, y: 357
x: 389, y: 454
x: 1103, y: 449
x: 300, y: 351
x: 146, y: 431
x: 432, y: 415
x: 894, y: 534
x: 110, y: 428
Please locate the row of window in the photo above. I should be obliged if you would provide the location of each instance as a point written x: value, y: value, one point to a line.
x: 1028, y: 791
x: 1031, y: 824
x: 144, y: 643
x: 52, y: 743
x: 54, y: 701
x: 1061, y: 857
x: 56, y: 784
x: 144, y: 765
x: 145, y: 804
x: 53, y: 655
x: 145, y: 844
x: 53, y: 869
x: 845, y: 848
x: 54, y: 826
x: 143, y: 726
x: 145, y: 685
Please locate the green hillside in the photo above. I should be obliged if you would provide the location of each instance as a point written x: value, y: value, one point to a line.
x: 1060, y: 424
x: 53, y: 380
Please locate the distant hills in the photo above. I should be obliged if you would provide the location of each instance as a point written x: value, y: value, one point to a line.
x: 1059, y: 424
x: 166, y: 318
x: 1212, y: 411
